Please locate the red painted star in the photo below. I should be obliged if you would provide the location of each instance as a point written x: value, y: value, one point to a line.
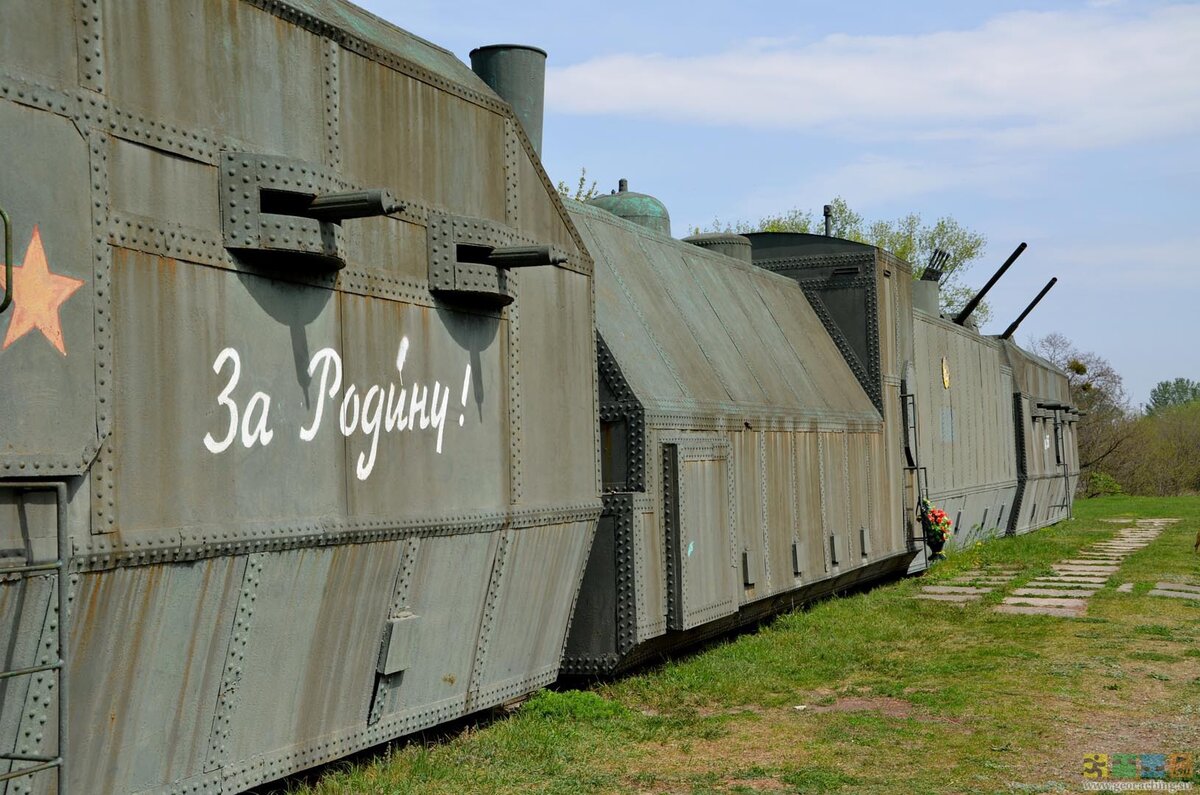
x: 37, y: 296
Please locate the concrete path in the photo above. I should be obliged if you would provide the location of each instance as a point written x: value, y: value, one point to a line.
x: 970, y: 586
x: 1064, y: 593
x: 1176, y: 590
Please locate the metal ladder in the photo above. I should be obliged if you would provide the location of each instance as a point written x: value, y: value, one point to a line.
x: 918, y: 475
x: 57, y: 569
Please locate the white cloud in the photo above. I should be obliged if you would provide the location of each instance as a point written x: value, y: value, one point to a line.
x: 1080, y: 79
x: 1124, y: 267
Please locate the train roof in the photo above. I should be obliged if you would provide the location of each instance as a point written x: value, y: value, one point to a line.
x: 374, y: 31
x: 694, y: 330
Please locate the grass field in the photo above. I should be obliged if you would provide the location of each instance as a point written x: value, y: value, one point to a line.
x: 873, y: 693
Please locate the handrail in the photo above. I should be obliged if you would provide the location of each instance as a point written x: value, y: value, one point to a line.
x: 8, y: 261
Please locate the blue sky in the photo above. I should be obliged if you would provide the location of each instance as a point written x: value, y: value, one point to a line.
x: 1073, y: 126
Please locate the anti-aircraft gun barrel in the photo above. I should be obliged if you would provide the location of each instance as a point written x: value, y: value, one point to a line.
x: 974, y: 302
x: 1008, y: 332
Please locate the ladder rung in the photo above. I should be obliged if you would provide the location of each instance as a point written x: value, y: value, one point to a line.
x: 29, y: 771
x: 37, y: 669
x: 26, y: 758
x: 30, y: 568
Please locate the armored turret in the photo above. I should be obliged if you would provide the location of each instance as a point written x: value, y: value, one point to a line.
x: 639, y: 208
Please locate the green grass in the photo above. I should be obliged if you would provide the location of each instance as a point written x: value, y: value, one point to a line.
x: 898, y: 695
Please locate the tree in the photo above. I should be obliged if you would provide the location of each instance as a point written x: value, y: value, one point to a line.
x: 1099, y: 391
x: 908, y: 237
x: 583, y: 192
x: 1172, y: 393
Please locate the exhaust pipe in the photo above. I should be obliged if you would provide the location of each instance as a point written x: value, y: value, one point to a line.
x: 518, y: 74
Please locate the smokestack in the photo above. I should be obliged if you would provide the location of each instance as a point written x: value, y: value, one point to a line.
x: 518, y: 74
x: 828, y: 220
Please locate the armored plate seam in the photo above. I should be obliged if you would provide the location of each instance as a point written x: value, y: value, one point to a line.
x: 731, y: 505
x: 585, y: 264
x: 825, y: 533
x: 103, y: 494
x: 682, y: 515
x: 870, y: 498
x: 199, y: 784
x: 641, y: 575
x: 89, y: 36
x: 515, y: 440
x: 372, y: 284
x: 686, y: 317
x: 400, y: 590
x: 637, y: 310
x: 512, y: 203
x: 199, y: 246
x: 231, y: 677
x: 579, y: 574
x: 1014, y: 515
x: 849, y: 498
x: 508, y: 689
x: 34, y: 94
x: 366, y: 49
x: 101, y: 552
x: 487, y: 622
x: 622, y: 510
x: 166, y: 239
x: 591, y: 664
x: 101, y: 284
x: 93, y: 111
x: 36, y: 465
x: 764, y: 519
x: 330, y: 63
x: 794, y: 473
x: 733, y: 340
x: 266, y: 767
x: 671, y: 532
x: 708, y: 417
x: 595, y: 372
x: 35, y: 711
x: 814, y: 261
x: 611, y: 373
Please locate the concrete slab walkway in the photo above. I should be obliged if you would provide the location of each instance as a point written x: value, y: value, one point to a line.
x: 1064, y: 593
x: 1077, y: 578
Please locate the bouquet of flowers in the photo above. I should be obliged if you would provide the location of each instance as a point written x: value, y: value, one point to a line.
x: 936, y: 522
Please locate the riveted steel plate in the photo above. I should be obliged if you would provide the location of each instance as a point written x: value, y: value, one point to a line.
x: 47, y: 336
x: 123, y: 677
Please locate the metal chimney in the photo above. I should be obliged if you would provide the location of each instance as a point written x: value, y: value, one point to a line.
x: 518, y: 74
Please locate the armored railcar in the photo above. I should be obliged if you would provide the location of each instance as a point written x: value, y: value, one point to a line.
x: 745, y: 468
x: 317, y: 395
x: 299, y: 379
x: 969, y: 408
